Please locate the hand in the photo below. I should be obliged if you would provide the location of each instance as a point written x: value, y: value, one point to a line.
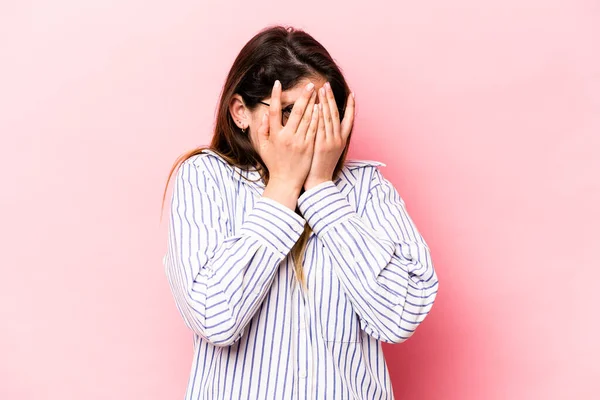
x: 331, y: 137
x: 287, y: 150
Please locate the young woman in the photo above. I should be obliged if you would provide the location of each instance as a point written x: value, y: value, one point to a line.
x: 289, y: 263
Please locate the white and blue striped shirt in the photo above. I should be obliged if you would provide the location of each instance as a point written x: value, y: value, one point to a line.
x: 257, y: 335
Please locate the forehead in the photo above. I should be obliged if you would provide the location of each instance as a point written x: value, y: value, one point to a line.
x: 291, y: 95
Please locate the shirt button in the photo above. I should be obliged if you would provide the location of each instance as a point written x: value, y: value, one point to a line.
x: 256, y: 291
x: 302, y: 374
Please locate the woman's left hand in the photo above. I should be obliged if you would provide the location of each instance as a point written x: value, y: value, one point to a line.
x: 331, y: 137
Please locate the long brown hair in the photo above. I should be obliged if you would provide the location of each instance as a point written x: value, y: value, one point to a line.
x: 276, y: 52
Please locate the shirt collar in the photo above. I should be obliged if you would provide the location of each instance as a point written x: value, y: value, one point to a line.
x: 251, y: 176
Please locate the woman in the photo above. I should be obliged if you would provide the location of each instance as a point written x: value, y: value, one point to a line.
x: 289, y: 263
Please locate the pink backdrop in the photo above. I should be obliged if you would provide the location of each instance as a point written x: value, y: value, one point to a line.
x: 486, y: 113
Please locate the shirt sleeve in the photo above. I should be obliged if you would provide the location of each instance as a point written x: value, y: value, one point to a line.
x: 218, y: 280
x: 380, y: 258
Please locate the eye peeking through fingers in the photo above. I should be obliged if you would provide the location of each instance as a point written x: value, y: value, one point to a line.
x: 285, y: 114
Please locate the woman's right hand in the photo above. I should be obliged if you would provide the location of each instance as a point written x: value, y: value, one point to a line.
x: 287, y: 151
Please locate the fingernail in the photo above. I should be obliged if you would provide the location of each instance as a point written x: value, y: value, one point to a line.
x: 353, y: 96
x: 327, y: 85
x: 310, y: 87
x: 277, y: 83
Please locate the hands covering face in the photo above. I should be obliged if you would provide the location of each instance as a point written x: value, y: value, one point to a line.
x: 306, y: 150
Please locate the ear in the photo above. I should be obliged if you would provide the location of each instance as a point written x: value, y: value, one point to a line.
x: 237, y: 109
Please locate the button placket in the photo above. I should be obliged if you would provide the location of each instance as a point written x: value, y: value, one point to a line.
x: 303, y: 361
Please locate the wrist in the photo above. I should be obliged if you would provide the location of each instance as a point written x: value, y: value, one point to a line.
x: 282, y: 192
x: 309, y: 184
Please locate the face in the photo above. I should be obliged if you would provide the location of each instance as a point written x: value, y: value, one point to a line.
x: 245, y: 118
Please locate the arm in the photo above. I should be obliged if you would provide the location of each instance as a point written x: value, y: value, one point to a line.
x: 381, y: 260
x: 218, y: 280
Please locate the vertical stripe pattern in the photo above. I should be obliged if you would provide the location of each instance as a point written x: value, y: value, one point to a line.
x: 256, y: 334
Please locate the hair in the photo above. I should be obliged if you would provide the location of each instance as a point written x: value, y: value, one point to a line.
x: 276, y: 52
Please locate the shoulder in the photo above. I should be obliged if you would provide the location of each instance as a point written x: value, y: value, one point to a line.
x: 207, y: 160
x: 204, y: 170
x: 211, y: 164
x: 358, y: 174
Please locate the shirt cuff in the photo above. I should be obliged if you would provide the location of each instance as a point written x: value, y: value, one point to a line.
x: 275, y: 224
x: 323, y: 206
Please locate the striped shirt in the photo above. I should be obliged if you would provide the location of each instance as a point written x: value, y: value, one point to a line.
x: 256, y: 333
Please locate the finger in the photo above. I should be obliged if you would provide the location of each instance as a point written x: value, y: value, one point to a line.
x: 275, y: 107
x: 314, y: 124
x: 326, y: 111
x: 300, y: 107
x: 321, y: 133
x: 263, y: 129
x: 335, y: 114
x: 306, y: 118
x: 349, y: 115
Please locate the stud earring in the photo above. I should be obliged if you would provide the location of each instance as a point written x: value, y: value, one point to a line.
x: 243, y: 129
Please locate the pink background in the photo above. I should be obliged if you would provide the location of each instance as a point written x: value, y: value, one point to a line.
x: 486, y: 113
